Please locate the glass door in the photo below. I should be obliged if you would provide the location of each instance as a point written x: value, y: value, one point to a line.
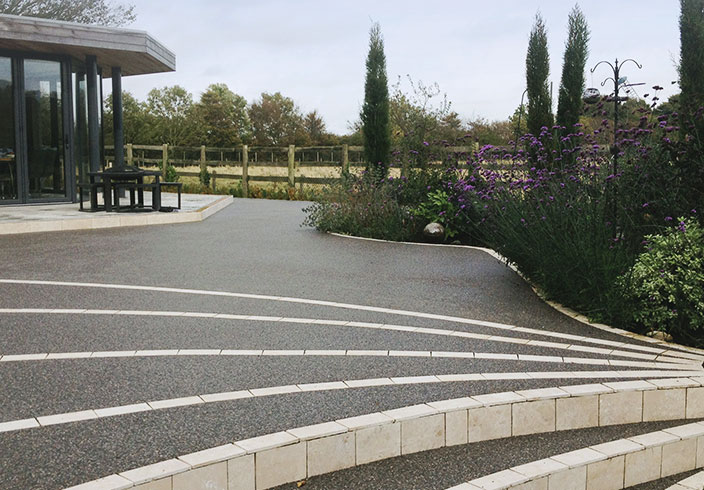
x: 8, y: 162
x: 46, y: 176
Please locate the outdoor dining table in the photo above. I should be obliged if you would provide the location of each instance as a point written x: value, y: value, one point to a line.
x: 129, y: 178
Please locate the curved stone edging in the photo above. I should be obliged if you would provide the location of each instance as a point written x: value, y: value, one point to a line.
x: 615, y: 465
x: 694, y: 482
x: 273, y: 459
x: 555, y: 305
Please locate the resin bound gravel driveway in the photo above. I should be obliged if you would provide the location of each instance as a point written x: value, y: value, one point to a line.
x: 160, y: 321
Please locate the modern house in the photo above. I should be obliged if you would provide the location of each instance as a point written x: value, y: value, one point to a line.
x: 51, y: 75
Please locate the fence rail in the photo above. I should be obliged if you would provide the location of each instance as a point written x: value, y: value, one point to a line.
x: 292, y: 158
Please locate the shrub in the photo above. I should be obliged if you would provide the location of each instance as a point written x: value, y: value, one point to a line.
x: 171, y: 175
x: 363, y: 206
x: 666, y: 284
x: 204, y: 176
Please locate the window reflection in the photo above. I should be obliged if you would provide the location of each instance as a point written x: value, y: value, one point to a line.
x: 8, y: 165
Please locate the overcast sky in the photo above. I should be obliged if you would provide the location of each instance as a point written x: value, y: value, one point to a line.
x: 314, y: 51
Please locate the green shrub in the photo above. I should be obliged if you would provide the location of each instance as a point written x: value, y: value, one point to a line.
x: 439, y: 208
x: 204, y: 176
x: 171, y: 175
x: 665, y: 286
x: 362, y: 206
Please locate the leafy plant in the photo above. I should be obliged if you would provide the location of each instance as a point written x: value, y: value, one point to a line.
x: 439, y: 209
x: 171, y: 175
x: 666, y: 284
x: 204, y: 176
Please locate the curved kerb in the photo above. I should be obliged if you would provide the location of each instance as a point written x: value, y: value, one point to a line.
x: 555, y: 305
x: 274, y: 459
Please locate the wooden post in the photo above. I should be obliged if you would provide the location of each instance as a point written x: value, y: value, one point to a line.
x: 245, y: 170
x: 130, y: 155
x: 212, y: 180
x: 164, y: 159
x: 345, y: 159
x: 291, y: 165
x: 202, y: 156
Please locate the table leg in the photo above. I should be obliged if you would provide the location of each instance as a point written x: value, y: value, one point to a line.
x: 140, y: 192
x: 107, y: 194
x: 156, y: 195
x: 93, y: 195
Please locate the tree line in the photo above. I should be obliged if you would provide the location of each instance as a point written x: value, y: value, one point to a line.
x: 219, y: 118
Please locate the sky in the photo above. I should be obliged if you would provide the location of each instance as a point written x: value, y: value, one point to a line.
x: 314, y: 51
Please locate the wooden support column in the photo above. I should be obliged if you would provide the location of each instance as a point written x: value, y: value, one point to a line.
x: 291, y: 165
x: 118, y: 129
x: 245, y: 171
x: 130, y: 154
x: 164, y: 159
x: 345, y: 159
x: 93, y: 111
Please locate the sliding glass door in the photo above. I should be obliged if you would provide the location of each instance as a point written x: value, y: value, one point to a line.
x: 8, y: 161
x: 46, y: 175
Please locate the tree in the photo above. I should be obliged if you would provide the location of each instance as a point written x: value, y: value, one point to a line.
x: 569, y: 103
x: 539, y: 112
x: 691, y: 67
x: 137, y: 120
x: 276, y: 121
x: 314, y: 127
x: 375, y: 111
x: 173, y: 119
x: 222, y: 117
x: 84, y: 11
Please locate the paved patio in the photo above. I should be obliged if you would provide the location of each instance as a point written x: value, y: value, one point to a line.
x: 61, y: 217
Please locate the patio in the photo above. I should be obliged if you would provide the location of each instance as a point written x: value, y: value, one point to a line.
x: 62, y: 217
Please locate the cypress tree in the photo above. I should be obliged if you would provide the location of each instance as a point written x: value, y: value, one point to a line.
x: 539, y: 112
x: 375, y: 111
x: 569, y: 103
x: 691, y: 59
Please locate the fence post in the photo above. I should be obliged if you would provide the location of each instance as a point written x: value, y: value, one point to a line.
x: 291, y: 165
x: 245, y: 170
x: 202, y: 157
x: 345, y: 159
x: 164, y: 159
x: 130, y: 158
x: 212, y: 180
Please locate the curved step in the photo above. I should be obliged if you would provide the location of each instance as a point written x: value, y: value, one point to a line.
x: 613, y: 465
x: 273, y: 459
x: 694, y: 482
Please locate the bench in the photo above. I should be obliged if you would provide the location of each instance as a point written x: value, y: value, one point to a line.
x: 93, y: 190
x: 132, y: 187
x: 178, y: 186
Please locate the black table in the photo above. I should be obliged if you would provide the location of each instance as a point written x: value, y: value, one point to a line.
x: 129, y: 178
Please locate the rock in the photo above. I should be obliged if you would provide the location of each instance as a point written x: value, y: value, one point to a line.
x: 434, y: 230
x: 660, y: 335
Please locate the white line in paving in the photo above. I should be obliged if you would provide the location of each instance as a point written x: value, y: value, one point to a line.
x: 348, y: 353
x: 665, y: 356
x: 557, y: 306
x: 349, y: 306
x: 63, y: 418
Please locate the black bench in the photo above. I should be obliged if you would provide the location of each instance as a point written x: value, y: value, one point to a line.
x: 178, y: 186
x: 132, y: 187
x: 93, y: 190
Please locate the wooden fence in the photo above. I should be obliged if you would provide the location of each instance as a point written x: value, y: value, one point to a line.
x: 336, y: 158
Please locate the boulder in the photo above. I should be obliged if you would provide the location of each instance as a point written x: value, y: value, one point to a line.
x: 434, y: 230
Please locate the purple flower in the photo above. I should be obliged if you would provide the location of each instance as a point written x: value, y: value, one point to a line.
x: 668, y: 218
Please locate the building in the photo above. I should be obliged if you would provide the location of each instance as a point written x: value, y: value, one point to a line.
x: 51, y: 75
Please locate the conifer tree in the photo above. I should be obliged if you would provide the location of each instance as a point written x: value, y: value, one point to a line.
x: 375, y: 111
x: 691, y: 67
x: 539, y: 112
x: 569, y: 103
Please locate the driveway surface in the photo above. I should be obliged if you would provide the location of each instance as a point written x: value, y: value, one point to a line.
x: 151, y: 317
